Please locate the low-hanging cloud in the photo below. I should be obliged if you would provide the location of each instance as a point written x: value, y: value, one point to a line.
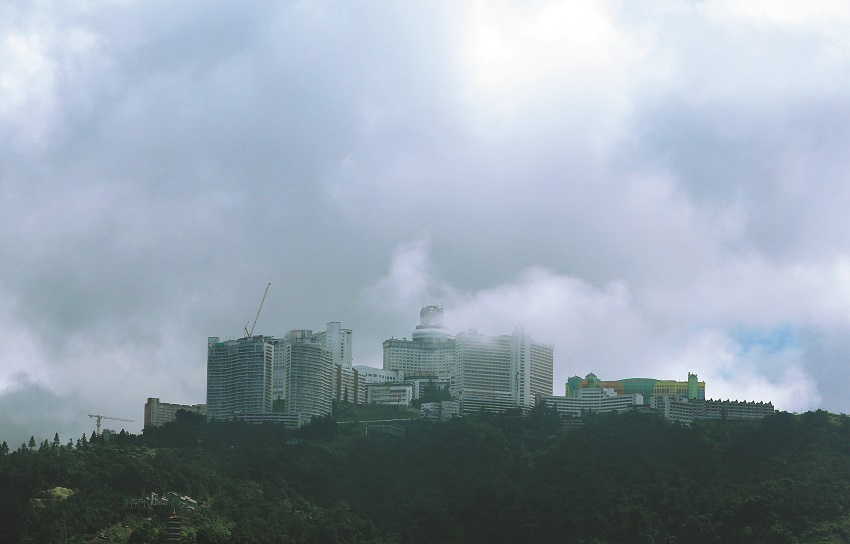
x: 616, y: 334
x: 654, y: 190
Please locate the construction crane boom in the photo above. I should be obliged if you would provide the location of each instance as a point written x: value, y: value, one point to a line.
x: 250, y: 333
x: 99, y: 417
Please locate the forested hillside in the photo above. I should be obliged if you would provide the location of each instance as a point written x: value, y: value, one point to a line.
x: 486, y: 479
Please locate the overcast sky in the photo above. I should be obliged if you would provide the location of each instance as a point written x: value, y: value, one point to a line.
x: 652, y: 187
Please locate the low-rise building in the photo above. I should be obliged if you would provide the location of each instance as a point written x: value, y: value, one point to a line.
x: 370, y: 374
x: 686, y: 411
x: 159, y: 413
x: 592, y: 400
x: 389, y: 394
x: 421, y: 385
x: 647, y: 387
x: 439, y: 411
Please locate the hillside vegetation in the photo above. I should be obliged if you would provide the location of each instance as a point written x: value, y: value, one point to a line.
x: 485, y: 479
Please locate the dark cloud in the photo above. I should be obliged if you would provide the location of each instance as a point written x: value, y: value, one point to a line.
x: 631, y: 187
x: 33, y: 410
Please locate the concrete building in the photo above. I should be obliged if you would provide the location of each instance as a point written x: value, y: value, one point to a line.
x: 278, y: 371
x: 592, y: 399
x: 430, y: 352
x: 421, y: 385
x: 369, y: 374
x: 498, y: 373
x: 337, y: 341
x: 439, y: 411
x: 347, y: 385
x: 389, y: 394
x: 159, y: 413
x: 686, y: 411
x: 647, y: 387
x: 239, y: 377
x: 308, y: 380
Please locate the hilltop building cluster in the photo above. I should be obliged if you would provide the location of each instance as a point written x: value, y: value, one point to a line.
x: 297, y: 377
x: 682, y: 402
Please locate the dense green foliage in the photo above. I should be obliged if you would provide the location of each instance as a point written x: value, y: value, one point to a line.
x: 507, y: 478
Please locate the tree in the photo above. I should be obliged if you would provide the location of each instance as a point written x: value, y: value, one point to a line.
x: 4, y: 448
x: 32, y: 442
x: 56, y: 442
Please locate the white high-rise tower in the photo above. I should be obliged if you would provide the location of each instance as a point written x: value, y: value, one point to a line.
x: 498, y: 373
x: 431, y: 351
x: 239, y: 377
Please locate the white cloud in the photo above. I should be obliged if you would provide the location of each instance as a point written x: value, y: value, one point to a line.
x: 547, y: 63
x: 632, y: 184
x: 407, y: 281
x: 812, y: 15
x: 611, y: 332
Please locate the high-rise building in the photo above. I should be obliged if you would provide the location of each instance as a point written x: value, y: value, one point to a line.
x: 345, y: 386
x: 309, y: 370
x: 431, y: 352
x: 498, y: 373
x: 337, y: 341
x: 239, y: 377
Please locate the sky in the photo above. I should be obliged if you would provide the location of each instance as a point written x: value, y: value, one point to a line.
x: 654, y: 188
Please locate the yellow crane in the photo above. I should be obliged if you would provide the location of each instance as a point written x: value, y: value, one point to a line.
x: 99, y: 417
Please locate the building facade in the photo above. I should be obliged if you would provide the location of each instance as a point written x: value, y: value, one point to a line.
x: 430, y: 352
x: 439, y: 411
x: 389, y: 394
x: 369, y: 374
x: 686, y: 411
x: 159, y: 413
x: 309, y: 370
x: 345, y: 383
x: 239, y: 377
x: 498, y: 373
x: 592, y: 399
x: 646, y: 387
x: 337, y: 341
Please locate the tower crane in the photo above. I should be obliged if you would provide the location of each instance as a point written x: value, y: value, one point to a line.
x: 250, y: 333
x: 99, y: 417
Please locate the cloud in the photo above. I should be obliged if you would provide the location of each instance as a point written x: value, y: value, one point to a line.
x: 635, y: 186
x: 408, y: 279
x: 616, y: 334
x: 32, y: 410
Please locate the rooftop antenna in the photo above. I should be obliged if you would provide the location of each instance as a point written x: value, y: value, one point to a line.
x: 249, y: 334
